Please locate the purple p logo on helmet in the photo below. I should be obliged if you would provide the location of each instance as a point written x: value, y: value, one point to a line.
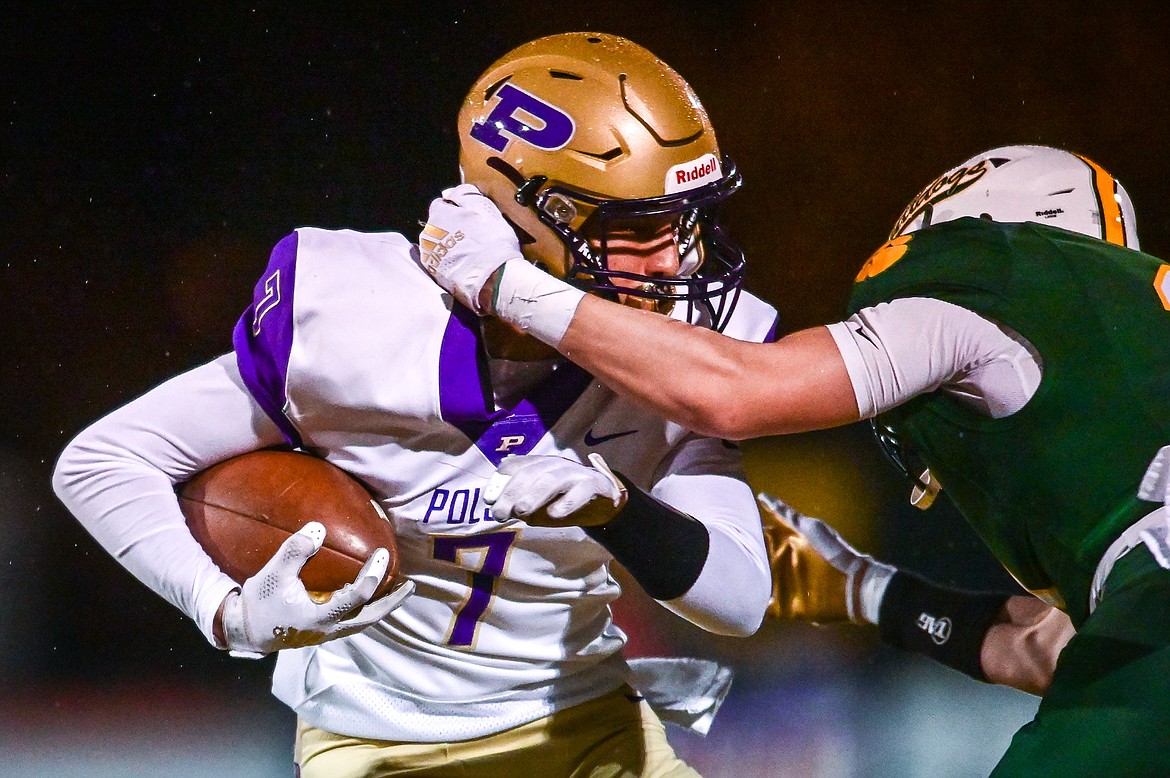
x: 512, y: 116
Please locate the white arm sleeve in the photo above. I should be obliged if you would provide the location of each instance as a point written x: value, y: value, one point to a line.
x: 909, y: 346
x: 731, y: 593
x: 118, y: 476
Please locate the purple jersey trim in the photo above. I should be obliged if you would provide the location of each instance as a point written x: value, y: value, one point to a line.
x: 464, y: 393
x: 263, y: 336
x: 465, y: 398
x: 773, y: 331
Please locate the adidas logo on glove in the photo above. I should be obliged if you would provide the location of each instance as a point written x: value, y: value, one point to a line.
x: 435, y: 242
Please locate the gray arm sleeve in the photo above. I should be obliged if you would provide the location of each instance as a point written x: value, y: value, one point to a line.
x: 909, y: 346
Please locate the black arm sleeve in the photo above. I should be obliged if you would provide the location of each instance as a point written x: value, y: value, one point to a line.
x: 945, y: 624
x: 663, y: 549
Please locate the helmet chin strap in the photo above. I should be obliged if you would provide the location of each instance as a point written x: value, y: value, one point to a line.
x: 656, y: 305
x: 636, y: 301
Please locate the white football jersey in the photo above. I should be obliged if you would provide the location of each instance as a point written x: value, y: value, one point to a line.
x: 360, y: 358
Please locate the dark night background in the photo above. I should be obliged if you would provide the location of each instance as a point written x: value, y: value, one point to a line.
x: 152, y: 156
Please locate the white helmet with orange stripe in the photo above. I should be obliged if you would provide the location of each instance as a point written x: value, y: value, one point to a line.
x: 1028, y: 184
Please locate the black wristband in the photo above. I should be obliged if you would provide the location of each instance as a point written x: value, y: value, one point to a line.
x: 663, y: 549
x: 945, y: 624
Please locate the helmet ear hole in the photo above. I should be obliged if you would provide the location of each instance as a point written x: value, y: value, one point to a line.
x: 506, y: 170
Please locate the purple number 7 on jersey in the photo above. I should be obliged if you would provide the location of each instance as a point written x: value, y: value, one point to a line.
x: 483, y: 581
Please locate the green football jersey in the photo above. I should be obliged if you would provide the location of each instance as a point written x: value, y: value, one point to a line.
x: 1051, y: 486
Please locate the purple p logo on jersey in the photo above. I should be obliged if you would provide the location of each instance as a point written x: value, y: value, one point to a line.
x: 552, y: 130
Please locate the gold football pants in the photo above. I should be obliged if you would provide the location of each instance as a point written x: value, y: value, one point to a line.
x: 614, y: 736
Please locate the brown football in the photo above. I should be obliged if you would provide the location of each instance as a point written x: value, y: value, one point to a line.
x: 243, y: 508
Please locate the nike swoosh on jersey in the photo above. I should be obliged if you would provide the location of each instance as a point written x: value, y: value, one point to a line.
x: 590, y: 440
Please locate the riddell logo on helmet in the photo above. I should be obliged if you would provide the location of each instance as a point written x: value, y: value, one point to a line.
x: 435, y: 243
x: 693, y: 174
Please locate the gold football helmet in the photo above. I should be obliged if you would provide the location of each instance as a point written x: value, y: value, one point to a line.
x: 572, y: 133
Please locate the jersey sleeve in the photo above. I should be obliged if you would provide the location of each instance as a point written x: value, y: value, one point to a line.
x: 912, y: 345
x: 117, y: 477
x: 754, y: 320
x: 704, y: 479
x: 263, y: 336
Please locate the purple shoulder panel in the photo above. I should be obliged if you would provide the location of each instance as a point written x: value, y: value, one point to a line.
x: 263, y: 336
x: 517, y: 430
x: 465, y: 396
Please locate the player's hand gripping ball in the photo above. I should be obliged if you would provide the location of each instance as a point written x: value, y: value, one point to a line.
x: 313, y: 553
x: 242, y: 510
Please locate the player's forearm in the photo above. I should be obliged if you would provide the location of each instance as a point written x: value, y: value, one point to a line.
x: 662, y: 548
x: 819, y: 577
x: 710, y: 383
x: 730, y: 596
x: 129, y: 508
x: 1012, y: 641
x: 640, y: 355
x: 705, y: 572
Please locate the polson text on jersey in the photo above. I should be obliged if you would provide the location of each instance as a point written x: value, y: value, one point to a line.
x: 457, y: 506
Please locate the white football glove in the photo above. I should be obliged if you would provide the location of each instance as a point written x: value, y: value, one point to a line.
x: 464, y: 241
x: 865, y: 578
x: 552, y: 491
x: 273, y: 610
